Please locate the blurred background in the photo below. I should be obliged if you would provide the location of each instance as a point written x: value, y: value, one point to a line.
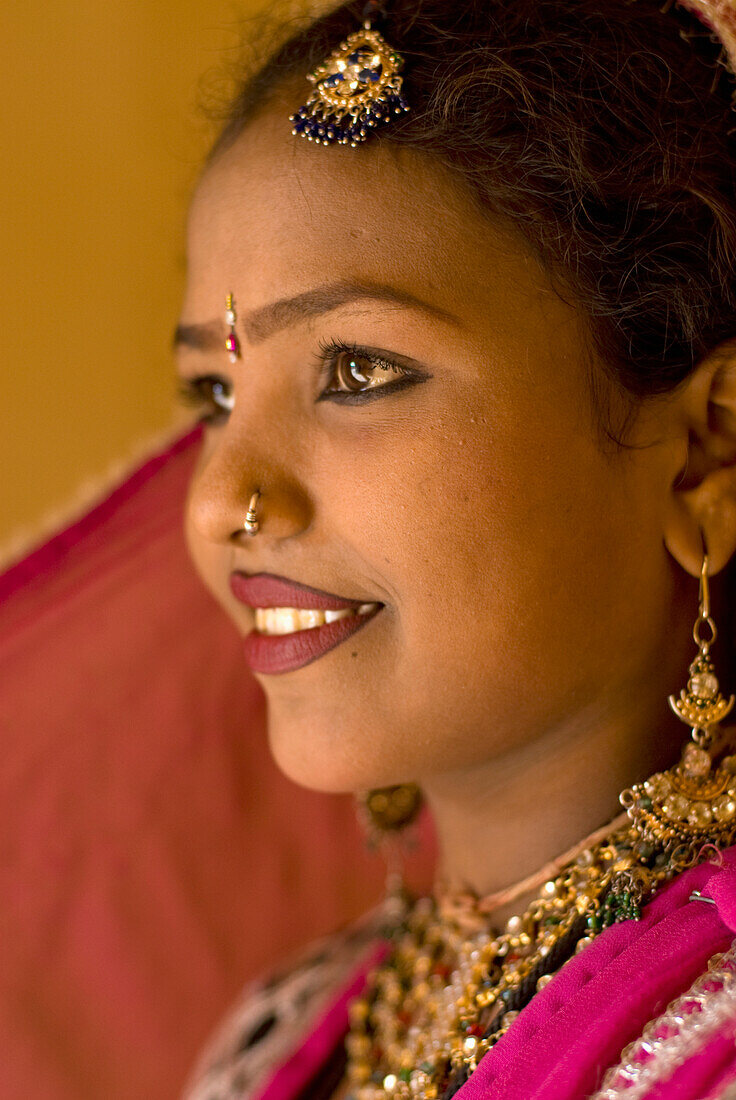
x: 103, y: 137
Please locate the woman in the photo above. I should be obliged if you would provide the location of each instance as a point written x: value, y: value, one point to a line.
x: 467, y: 361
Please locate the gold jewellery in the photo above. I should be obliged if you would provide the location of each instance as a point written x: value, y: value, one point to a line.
x: 232, y: 343
x: 452, y: 983
x: 388, y: 809
x: 252, y: 524
x: 693, y: 803
x: 356, y: 89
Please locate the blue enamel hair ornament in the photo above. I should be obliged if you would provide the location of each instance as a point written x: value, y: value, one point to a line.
x: 356, y: 89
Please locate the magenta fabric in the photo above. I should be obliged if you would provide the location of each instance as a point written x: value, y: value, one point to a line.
x: 704, y: 1075
x: 152, y: 857
x: 578, y: 1024
x: 290, y: 1078
x: 39, y: 563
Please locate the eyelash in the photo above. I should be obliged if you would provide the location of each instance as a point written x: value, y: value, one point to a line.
x: 200, y: 391
x: 328, y: 359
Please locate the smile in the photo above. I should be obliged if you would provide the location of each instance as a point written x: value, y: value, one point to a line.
x: 284, y: 652
x: 295, y: 624
x: 288, y: 620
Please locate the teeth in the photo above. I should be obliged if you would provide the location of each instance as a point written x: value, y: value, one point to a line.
x: 287, y: 620
x: 307, y: 619
x: 333, y: 616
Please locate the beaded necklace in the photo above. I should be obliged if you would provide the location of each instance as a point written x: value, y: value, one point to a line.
x: 452, y: 984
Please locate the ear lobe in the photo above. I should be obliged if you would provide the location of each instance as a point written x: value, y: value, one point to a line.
x: 704, y: 518
x: 702, y: 513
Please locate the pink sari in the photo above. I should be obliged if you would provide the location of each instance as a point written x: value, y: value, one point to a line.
x: 600, y: 1001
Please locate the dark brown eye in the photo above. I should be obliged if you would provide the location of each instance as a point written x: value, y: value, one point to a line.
x: 354, y: 373
x: 210, y: 393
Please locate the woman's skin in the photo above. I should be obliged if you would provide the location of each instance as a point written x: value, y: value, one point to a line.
x: 537, y: 581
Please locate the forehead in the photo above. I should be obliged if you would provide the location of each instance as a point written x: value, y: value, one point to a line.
x: 275, y: 215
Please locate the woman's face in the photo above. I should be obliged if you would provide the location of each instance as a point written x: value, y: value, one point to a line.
x: 462, y: 486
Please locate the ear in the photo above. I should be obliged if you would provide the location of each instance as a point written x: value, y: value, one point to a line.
x: 703, y: 495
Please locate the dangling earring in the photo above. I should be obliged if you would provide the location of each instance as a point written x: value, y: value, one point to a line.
x: 389, y: 809
x: 386, y: 813
x: 694, y: 803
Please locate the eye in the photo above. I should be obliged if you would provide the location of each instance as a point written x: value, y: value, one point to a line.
x: 210, y: 393
x: 352, y: 372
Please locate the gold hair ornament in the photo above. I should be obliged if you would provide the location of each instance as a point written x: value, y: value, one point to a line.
x: 356, y: 89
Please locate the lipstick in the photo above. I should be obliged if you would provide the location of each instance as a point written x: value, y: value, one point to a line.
x: 284, y: 652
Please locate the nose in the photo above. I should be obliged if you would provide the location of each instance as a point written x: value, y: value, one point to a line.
x: 230, y: 470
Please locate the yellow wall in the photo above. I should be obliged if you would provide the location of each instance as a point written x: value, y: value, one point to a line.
x: 102, y: 140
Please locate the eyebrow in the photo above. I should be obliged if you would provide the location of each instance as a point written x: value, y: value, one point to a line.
x: 264, y: 322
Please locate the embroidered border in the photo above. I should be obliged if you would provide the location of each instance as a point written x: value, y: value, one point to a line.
x: 683, y: 1029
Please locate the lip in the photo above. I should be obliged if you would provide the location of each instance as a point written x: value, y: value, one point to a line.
x: 270, y: 590
x: 277, y: 653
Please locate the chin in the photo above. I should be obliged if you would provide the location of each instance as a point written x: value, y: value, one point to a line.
x: 324, y: 757
x: 317, y: 770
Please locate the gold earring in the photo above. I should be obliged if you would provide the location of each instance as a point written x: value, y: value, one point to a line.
x: 252, y: 525
x: 389, y: 809
x: 693, y: 803
x: 385, y: 814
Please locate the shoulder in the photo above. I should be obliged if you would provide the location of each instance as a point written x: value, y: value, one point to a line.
x: 274, y: 1016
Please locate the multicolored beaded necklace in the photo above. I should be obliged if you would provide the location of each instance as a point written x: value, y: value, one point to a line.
x: 452, y: 984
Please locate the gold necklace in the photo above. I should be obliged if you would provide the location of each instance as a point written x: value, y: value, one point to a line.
x: 452, y: 984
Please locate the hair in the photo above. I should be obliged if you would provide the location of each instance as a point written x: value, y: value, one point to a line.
x: 602, y: 129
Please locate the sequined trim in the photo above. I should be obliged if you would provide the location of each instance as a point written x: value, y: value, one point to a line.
x: 683, y: 1029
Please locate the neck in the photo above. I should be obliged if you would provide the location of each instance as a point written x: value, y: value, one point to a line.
x: 501, y: 822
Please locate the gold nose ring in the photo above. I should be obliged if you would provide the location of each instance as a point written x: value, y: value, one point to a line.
x: 252, y: 524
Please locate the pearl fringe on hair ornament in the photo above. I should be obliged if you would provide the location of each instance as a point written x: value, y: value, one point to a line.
x: 356, y: 89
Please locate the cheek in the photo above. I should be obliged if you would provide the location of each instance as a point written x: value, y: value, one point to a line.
x: 494, y: 553
x: 448, y: 518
